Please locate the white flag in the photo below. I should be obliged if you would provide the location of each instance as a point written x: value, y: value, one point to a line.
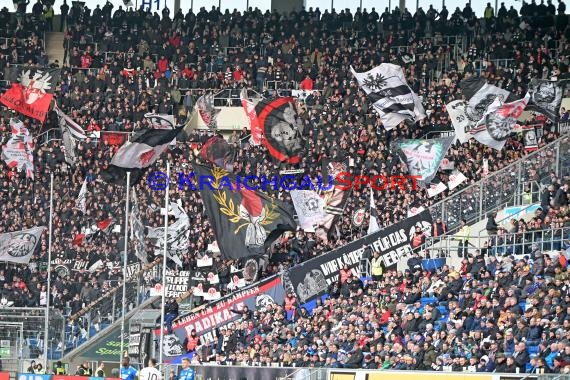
x: 463, y: 119
x: 19, y: 150
x: 373, y: 225
x: 455, y: 179
x: 436, y: 188
x: 18, y: 247
x: 390, y: 94
x: 309, y: 207
x: 81, y: 201
x: 414, y: 211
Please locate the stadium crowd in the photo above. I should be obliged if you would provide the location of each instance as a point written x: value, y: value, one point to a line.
x: 159, y: 64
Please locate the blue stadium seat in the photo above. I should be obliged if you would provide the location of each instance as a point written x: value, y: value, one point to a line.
x: 533, y: 349
x: 428, y: 300
x: 443, y: 310
x: 522, y: 305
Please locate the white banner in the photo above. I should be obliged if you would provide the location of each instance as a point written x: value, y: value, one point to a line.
x: 19, y: 150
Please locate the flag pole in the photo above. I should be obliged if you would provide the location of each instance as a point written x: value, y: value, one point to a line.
x: 124, y: 306
x: 48, y: 290
x: 164, y: 260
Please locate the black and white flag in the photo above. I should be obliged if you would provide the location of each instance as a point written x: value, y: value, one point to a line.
x: 546, y: 97
x: 390, y: 94
x: 309, y: 207
x: 18, y: 247
x: 373, y: 225
x: 71, y: 132
x: 137, y: 230
x: 81, y: 201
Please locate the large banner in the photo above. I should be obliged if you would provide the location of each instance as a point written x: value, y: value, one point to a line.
x: 217, y: 314
x: 312, y: 278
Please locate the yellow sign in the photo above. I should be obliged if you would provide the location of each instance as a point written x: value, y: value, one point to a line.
x: 342, y: 376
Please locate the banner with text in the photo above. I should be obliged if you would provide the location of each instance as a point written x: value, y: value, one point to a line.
x: 217, y: 314
x: 312, y: 278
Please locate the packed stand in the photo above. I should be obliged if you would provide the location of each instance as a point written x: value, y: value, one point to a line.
x: 160, y: 71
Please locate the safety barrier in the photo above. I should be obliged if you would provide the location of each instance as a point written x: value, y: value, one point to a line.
x: 278, y: 371
x: 33, y: 376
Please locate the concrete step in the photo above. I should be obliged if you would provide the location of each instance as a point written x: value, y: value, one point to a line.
x: 54, y: 46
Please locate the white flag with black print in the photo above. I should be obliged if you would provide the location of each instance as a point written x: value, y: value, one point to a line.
x: 373, y: 225
x: 81, y: 201
x: 546, y: 97
x: 208, y: 113
x: 309, y: 207
x: 18, y: 247
x: 435, y: 188
x: 390, y: 94
x: 499, y: 122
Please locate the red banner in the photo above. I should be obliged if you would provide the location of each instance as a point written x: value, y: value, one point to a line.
x: 27, y: 101
x: 113, y: 138
x: 4, y: 375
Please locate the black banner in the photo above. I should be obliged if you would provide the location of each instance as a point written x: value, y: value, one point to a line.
x: 312, y: 278
x: 243, y: 373
x: 134, y: 342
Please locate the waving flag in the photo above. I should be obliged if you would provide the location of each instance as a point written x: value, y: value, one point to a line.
x: 282, y: 129
x: 309, y: 207
x: 19, y: 150
x: 249, y: 108
x: 373, y: 225
x: 160, y: 121
x: 245, y: 221
x: 18, y: 247
x: 81, y: 201
x: 70, y: 132
x: 139, y: 153
x: 546, y: 97
x: 499, y: 122
x: 423, y: 157
x: 205, y: 107
x: 217, y: 151
x: 33, y: 94
x: 390, y: 94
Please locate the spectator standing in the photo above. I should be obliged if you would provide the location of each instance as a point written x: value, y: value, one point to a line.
x: 463, y: 238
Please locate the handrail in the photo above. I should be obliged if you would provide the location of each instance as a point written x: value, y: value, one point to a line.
x: 111, y: 292
x: 507, y: 169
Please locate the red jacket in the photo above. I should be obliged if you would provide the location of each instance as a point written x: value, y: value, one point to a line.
x: 162, y: 65
x: 306, y: 84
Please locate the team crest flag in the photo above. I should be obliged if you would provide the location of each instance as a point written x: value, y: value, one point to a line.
x: 390, y: 94
x: 423, y: 157
x: 282, y: 128
x: 245, y: 221
x: 32, y: 95
x: 546, y: 97
x: 160, y: 121
x: 18, y: 247
x: 309, y: 207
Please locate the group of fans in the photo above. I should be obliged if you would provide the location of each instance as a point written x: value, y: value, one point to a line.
x: 125, y: 64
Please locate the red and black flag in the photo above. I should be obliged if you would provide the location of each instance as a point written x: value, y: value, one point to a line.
x: 138, y: 154
x: 245, y: 221
x: 282, y: 128
x: 217, y: 151
x: 33, y: 93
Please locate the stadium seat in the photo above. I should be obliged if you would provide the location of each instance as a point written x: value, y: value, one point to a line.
x: 533, y: 350
x: 428, y: 300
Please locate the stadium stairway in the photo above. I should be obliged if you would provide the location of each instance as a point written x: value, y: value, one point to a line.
x: 54, y: 47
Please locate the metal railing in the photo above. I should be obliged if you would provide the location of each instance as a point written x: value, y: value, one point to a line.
x: 101, y: 313
x: 502, y: 244
x: 30, y: 343
x: 504, y: 187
